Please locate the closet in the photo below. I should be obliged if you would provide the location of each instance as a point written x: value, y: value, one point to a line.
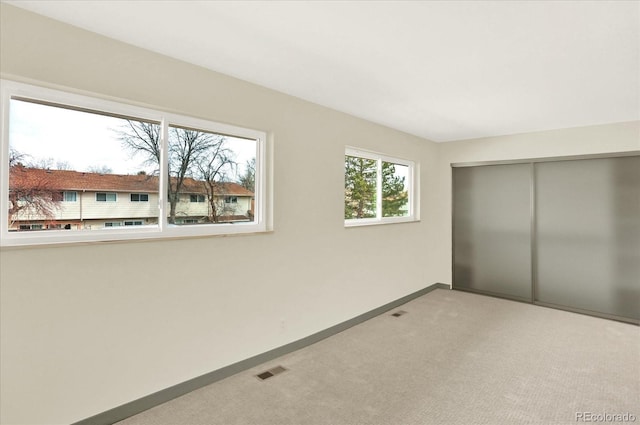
x: 561, y: 232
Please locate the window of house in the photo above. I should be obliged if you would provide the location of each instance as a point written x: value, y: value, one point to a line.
x: 231, y: 200
x: 139, y: 197
x: 69, y: 196
x: 187, y: 221
x: 378, y: 188
x: 57, y: 145
x: 106, y: 197
x: 31, y: 227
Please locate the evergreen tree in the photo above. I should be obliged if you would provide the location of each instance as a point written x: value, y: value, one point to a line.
x: 360, y: 187
x: 394, y: 195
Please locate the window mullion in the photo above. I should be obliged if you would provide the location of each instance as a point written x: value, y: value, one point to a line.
x: 163, y: 189
x: 379, y: 190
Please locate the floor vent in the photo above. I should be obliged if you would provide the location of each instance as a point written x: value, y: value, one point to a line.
x: 271, y: 372
x: 399, y: 313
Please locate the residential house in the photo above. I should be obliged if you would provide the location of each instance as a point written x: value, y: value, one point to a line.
x: 78, y: 200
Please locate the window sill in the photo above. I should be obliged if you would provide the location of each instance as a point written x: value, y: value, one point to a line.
x: 375, y: 222
x: 138, y: 238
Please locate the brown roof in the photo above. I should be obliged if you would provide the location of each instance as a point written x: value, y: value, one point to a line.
x: 22, y: 177
x: 196, y: 186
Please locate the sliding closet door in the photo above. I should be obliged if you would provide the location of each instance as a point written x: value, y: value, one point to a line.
x: 588, y: 235
x: 492, y: 230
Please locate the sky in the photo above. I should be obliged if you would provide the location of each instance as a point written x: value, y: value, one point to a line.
x: 84, y: 140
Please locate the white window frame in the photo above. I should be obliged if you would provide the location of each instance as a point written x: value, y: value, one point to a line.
x: 93, y: 102
x: 67, y: 194
x: 411, y: 184
x: 106, y: 197
x: 139, y: 195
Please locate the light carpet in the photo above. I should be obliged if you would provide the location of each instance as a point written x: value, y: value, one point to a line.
x: 454, y: 358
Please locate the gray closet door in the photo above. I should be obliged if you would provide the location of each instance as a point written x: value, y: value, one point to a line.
x: 492, y: 230
x: 588, y: 235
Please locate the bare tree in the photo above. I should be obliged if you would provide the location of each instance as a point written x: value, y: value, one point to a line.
x: 63, y: 165
x: 189, y: 151
x: 50, y: 164
x: 100, y: 169
x: 213, y: 170
x: 15, y: 157
x: 31, y: 191
x: 42, y: 163
x: 141, y: 137
x: 248, y: 179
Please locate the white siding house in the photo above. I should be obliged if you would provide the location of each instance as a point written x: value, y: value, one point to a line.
x: 60, y: 199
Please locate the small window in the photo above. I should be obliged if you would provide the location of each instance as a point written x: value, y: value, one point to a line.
x: 105, y: 197
x: 196, y: 198
x: 31, y: 227
x: 139, y: 197
x: 187, y: 221
x: 69, y: 196
x: 112, y: 224
x: 133, y: 223
x: 230, y: 199
x: 377, y: 189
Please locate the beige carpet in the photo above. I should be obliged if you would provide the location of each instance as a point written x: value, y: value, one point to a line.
x: 454, y: 358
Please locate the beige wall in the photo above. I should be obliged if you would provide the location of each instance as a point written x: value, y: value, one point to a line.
x: 86, y: 328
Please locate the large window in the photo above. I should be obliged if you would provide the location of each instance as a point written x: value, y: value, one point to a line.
x: 66, y: 157
x: 377, y: 188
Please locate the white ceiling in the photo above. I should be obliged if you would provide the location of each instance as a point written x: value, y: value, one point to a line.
x: 440, y: 70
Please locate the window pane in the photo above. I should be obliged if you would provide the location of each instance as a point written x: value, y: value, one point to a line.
x: 106, y: 197
x: 395, y: 195
x: 66, y: 166
x: 207, y: 168
x: 70, y: 196
x: 360, y: 179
